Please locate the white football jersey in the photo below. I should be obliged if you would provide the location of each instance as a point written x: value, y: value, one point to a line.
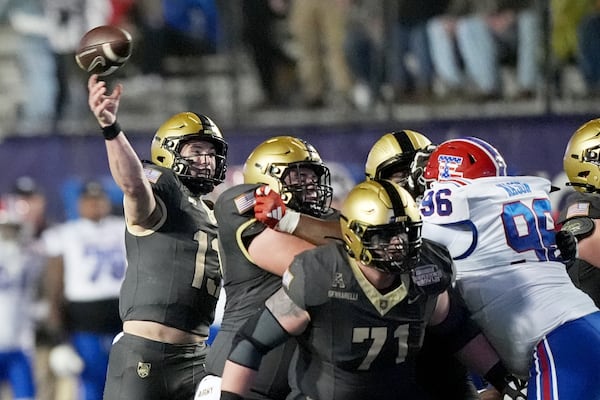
x: 19, y: 274
x: 93, y: 256
x: 500, y: 232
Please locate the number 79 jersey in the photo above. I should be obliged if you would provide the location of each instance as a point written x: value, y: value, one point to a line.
x: 500, y: 233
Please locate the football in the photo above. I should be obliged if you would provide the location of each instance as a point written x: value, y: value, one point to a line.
x: 103, y: 50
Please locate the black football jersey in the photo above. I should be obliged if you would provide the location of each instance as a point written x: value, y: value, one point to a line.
x: 173, y: 272
x: 247, y: 286
x: 361, y: 344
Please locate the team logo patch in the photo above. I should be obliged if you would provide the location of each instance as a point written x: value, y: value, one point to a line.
x: 338, y: 281
x: 426, y: 275
x: 244, y: 202
x: 578, y: 210
x: 152, y: 175
x: 448, y: 165
x: 143, y: 369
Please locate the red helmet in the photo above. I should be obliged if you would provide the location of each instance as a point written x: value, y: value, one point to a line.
x: 468, y: 157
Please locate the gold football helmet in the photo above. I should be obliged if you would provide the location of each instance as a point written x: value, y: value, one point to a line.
x: 180, y: 129
x: 273, y: 160
x: 582, y: 158
x: 396, y: 152
x: 381, y: 226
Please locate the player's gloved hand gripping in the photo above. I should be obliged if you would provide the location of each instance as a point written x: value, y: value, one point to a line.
x: 516, y: 389
x: 567, y: 244
x: 270, y: 209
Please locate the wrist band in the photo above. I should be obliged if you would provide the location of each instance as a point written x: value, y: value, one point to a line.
x: 230, y: 396
x: 497, y: 376
x: 289, y: 222
x: 112, y: 131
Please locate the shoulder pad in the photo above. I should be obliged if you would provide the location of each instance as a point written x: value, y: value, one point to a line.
x: 580, y: 227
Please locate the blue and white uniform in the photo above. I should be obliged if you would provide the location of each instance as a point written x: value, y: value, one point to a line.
x: 94, y: 264
x: 500, y: 233
x: 19, y: 273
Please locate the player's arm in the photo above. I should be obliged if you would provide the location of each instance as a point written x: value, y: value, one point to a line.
x: 588, y: 247
x: 317, y: 231
x: 260, y: 334
x: 54, y: 294
x: 125, y: 165
x: 274, y: 251
x: 451, y: 324
x: 579, y: 238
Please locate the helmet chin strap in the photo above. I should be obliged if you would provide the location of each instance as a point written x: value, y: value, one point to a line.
x: 588, y: 188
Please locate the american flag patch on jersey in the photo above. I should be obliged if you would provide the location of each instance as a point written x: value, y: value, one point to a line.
x: 244, y: 202
x: 578, y: 210
x: 152, y: 175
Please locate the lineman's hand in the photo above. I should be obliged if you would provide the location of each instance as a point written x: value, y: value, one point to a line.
x: 416, y: 180
x: 515, y: 390
x: 567, y: 244
x: 269, y: 207
x: 104, y: 106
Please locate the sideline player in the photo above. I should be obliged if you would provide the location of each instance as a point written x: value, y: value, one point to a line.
x: 83, y: 277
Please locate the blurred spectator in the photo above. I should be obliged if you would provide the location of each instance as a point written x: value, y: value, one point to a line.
x: 318, y: 28
x: 364, y: 50
x: 588, y: 58
x: 36, y: 63
x: 446, y: 60
x: 275, y: 67
x: 575, y: 26
x: 500, y: 29
x: 84, y: 273
x: 174, y: 28
x: 68, y: 21
x: 565, y: 17
x: 482, y: 35
x: 409, y: 43
x: 121, y: 10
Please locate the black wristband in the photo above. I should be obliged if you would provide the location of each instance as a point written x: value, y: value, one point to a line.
x: 230, y: 396
x: 497, y: 376
x: 112, y: 131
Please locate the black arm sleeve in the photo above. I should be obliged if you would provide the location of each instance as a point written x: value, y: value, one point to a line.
x: 458, y: 328
x: 259, y: 335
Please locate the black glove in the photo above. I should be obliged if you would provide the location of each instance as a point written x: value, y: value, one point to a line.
x: 416, y: 180
x: 567, y: 244
x: 516, y: 389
